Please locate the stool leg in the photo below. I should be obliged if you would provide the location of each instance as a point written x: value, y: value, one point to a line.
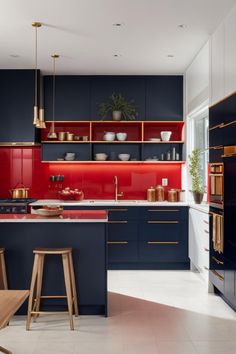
x: 72, y: 276
x: 32, y: 286
x: 39, y: 284
x: 66, y: 268
x: 4, y: 350
x: 3, y: 268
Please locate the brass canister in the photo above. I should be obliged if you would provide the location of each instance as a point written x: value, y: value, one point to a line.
x: 172, y: 195
x: 62, y: 136
x: 160, y: 193
x: 151, y: 194
x: 69, y: 136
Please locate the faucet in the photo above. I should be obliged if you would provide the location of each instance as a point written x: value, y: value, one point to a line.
x: 117, y: 194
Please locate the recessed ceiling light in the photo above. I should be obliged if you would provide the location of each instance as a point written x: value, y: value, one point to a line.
x: 182, y: 26
x: 170, y: 55
x: 118, y: 24
x: 117, y: 55
x: 14, y: 56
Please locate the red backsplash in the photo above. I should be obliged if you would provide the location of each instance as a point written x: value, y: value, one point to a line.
x: 23, y: 165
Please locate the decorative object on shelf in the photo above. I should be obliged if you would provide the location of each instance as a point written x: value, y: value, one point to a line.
x: 101, y: 156
x: 69, y: 136
x: 49, y: 211
x: 172, y: 195
x: 109, y: 136
x: 52, y: 134
x: 195, y: 167
x: 121, y: 136
x: 70, y: 156
x: 119, y: 107
x: 124, y: 157
x: 38, y: 114
x: 160, y: 193
x: 151, y: 194
x: 156, y: 140
x: 85, y: 137
x: 62, y: 136
x: 165, y: 135
x: 19, y: 191
x: 71, y: 194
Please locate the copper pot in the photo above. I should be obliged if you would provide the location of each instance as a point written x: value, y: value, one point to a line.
x: 19, y: 192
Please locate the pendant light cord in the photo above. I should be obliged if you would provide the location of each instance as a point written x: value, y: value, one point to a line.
x: 36, y: 66
x: 53, y: 89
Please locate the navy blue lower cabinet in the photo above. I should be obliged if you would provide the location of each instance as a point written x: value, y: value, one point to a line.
x: 162, y: 251
x: 122, y: 251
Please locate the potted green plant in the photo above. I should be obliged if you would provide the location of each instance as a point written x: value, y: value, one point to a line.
x: 197, y: 187
x: 118, y: 107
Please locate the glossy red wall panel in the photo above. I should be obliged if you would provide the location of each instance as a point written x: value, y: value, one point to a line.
x: 23, y: 165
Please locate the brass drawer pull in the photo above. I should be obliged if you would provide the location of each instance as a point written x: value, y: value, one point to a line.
x: 227, y: 124
x: 217, y: 260
x: 117, y: 209
x: 164, y: 210
x: 206, y: 231
x: 117, y: 242
x: 218, y: 275
x: 162, y: 222
x: 206, y: 249
x: 163, y: 242
x: 118, y: 222
x: 206, y: 222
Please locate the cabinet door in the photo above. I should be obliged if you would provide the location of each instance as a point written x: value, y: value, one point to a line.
x: 132, y: 88
x: 230, y: 53
x: 72, y: 98
x: 164, y: 98
x: 217, y: 65
x: 230, y: 283
x: 16, y: 106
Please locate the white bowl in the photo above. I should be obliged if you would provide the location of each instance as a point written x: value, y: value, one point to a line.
x: 101, y: 156
x: 124, y: 157
x: 70, y: 158
x: 121, y: 136
x: 109, y: 136
x: 165, y: 135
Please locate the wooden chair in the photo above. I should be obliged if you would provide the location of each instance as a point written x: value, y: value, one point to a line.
x: 37, y: 275
x: 3, y: 275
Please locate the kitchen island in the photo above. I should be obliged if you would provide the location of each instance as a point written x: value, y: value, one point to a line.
x: 84, y: 231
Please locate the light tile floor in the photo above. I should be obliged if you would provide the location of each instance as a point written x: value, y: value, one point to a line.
x: 161, y: 312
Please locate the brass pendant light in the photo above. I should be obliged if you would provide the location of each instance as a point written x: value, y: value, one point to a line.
x: 38, y: 118
x: 52, y: 134
x: 41, y: 123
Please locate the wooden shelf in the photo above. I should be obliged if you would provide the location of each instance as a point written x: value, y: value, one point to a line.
x: 64, y: 142
x: 163, y: 142
x: 111, y: 142
x: 119, y: 162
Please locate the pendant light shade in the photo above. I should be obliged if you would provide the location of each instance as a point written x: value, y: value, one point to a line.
x: 52, y: 134
x: 38, y: 118
x: 41, y: 122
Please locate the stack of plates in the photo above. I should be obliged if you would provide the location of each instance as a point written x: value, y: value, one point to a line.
x: 154, y: 139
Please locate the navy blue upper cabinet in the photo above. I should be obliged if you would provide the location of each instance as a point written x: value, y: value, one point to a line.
x: 72, y: 98
x: 131, y: 87
x: 16, y: 105
x: 164, y: 98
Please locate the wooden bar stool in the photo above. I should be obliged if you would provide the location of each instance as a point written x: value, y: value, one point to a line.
x: 3, y: 274
x: 37, y: 275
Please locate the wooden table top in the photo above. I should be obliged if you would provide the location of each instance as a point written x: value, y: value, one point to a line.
x: 10, y: 301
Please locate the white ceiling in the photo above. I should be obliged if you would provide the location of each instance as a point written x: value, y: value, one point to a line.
x: 82, y: 32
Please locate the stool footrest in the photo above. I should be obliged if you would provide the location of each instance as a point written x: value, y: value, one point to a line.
x: 52, y: 297
x: 48, y: 312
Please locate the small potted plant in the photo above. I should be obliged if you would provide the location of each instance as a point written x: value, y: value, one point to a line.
x: 118, y: 107
x: 197, y: 187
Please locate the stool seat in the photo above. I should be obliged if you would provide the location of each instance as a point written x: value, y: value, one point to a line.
x: 2, y: 250
x: 52, y: 250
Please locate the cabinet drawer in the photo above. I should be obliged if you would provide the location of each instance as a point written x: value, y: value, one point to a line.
x: 217, y: 263
x: 162, y: 214
x: 125, y: 230
x: 122, y: 213
x: 150, y: 251
x: 122, y: 251
x: 160, y: 230
x: 217, y: 280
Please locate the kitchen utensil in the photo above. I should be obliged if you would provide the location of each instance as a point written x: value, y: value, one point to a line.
x: 172, y: 195
x: 165, y: 135
x: 62, y: 136
x: 109, y: 136
x: 20, y: 191
x: 121, y: 136
x: 101, y: 156
x: 69, y: 136
x: 160, y: 193
x: 151, y: 194
x: 124, y: 157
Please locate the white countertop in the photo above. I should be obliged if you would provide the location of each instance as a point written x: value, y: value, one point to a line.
x: 201, y: 207
x: 103, y: 203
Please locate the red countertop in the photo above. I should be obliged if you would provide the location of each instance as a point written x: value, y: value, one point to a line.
x: 67, y: 216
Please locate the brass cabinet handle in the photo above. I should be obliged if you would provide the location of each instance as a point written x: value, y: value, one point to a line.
x: 164, y: 210
x: 206, y: 249
x: 218, y: 147
x: 117, y: 209
x: 206, y: 222
x: 118, y: 222
x: 218, y: 275
x: 117, y: 242
x: 217, y: 260
x: 216, y: 126
x: 162, y: 222
x: 223, y: 125
x: 163, y: 242
x: 206, y: 231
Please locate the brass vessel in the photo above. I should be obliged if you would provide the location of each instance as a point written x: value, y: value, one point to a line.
x: 151, y: 194
x: 160, y: 193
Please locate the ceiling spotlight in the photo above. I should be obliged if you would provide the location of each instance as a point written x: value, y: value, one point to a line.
x: 14, y: 56
x: 182, y: 26
x: 117, y: 55
x: 170, y: 55
x: 118, y: 24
